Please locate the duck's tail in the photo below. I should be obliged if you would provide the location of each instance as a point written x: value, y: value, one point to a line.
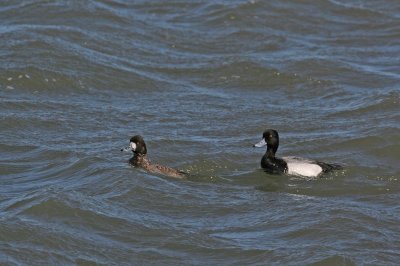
x: 328, y: 167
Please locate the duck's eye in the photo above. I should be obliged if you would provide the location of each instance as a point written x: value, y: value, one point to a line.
x: 133, y: 146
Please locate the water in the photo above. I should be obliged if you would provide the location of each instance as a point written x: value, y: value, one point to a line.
x: 200, y: 80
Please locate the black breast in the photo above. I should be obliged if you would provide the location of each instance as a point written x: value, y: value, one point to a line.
x: 273, y: 165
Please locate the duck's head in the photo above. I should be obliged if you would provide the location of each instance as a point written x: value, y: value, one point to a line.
x: 270, y: 138
x: 136, y: 145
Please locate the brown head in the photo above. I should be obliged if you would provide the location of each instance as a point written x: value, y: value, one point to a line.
x: 137, y: 145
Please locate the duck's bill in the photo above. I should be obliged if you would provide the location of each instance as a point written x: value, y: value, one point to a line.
x: 262, y: 143
x: 126, y: 149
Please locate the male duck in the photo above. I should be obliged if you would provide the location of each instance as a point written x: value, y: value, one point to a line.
x: 289, y: 165
x: 139, y: 159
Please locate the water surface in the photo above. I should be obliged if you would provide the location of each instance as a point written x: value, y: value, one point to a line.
x: 200, y: 80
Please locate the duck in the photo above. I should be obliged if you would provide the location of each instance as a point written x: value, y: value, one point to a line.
x: 289, y: 165
x: 140, y: 159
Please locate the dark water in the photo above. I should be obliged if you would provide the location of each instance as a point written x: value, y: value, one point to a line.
x: 200, y: 80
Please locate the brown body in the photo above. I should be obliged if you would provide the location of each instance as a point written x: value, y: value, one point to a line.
x: 140, y: 159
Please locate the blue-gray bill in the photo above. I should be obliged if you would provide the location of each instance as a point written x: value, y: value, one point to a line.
x: 260, y: 144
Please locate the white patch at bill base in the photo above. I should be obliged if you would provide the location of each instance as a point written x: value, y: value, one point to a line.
x: 133, y: 146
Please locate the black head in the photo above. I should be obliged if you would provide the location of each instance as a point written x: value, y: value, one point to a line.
x: 137, y: 145
x: 271, y: 139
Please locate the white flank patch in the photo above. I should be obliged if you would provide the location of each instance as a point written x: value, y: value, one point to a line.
x: 302, y: 167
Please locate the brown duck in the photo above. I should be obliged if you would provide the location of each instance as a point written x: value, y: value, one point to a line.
x: 139, y: 159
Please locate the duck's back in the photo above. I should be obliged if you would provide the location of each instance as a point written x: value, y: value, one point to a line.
x: 165, y: 170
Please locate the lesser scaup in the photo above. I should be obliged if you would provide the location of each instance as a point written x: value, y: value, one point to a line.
x: 139, y: 159
x: 289, y: 165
